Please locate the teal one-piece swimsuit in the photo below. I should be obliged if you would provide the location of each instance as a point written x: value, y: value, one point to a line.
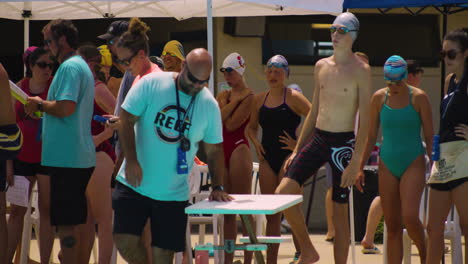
x: 401, y: 130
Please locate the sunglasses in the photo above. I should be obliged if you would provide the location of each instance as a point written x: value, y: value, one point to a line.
x: 126, y: 62
x: 168, y: 54
x: 194, y: 79
x: 47, y: 42
x: 397, y: 83
x: 451, y: 54
x: 341, y: 30
x: 44, y: 65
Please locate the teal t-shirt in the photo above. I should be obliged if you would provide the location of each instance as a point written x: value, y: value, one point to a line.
x: 153, y: 100
x: 67, y: 141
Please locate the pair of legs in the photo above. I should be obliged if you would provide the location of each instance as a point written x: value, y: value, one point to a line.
x: 16, y: 221
x: 99, y: 199
x: 440, y: 203
x: 295, y: 218
x: 373, y: 218
x: 68, y: 210
x: 400, y: 202
x: 269, y: 181
x: 7, y: 117
x: 238, y: 180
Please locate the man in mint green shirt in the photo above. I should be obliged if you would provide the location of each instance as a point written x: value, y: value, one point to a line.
x: 163, y: 119
x: 68, y: 150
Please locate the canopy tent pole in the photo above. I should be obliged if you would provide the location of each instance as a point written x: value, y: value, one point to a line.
x: 209, y: 26
x: 26, y: 17
x: 442, y: 64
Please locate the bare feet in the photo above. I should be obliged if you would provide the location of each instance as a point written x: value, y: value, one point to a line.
x: 309, y: 258
x: 366, y: 244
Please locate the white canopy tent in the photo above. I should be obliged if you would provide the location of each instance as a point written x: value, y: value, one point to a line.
x: 179, y: 9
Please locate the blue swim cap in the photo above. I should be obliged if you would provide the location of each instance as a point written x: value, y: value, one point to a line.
x: 395, y: 69
x: 279, y: 61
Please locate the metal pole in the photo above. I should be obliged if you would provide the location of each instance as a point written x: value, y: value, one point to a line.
x: 351, y: 225
x: 209, y: 25
x: 442, y: 68
x: 26, y: 17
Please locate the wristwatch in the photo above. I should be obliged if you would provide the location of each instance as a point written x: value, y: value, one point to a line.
x: 218, y: 188
x: 39, y: 106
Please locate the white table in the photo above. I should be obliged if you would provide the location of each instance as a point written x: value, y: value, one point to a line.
x: 245, y: 205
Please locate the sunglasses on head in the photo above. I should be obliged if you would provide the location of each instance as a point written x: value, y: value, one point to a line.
x: 168, y: 54
x: 451, y: 54
x: 394, y: 83
x: 126, y: 62
x: 43, y: 65
x: 341, y: 30
x: 194, y: 79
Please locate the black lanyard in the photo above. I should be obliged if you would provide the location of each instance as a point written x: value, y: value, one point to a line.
x: 190, y: 106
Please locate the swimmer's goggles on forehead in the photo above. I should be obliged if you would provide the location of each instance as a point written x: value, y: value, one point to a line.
x: 341, y: 30
x: 228, y: 69
x: 394, y: 82
x: 168, y: 54
x: 276, y: 65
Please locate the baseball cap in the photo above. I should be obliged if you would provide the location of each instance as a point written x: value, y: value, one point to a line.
x: 235, y: 62
x: 116, y: 29
x: 395, y: 69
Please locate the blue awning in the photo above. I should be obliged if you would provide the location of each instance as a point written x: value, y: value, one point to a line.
x: 400, y: 3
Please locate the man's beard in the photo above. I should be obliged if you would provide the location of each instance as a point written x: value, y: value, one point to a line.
x: 188, y: 89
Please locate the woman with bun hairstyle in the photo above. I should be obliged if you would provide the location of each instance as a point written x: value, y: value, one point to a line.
x: 133, y: 52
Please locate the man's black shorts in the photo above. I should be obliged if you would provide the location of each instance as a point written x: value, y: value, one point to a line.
x: 168, y: 219
x: 68, y: 204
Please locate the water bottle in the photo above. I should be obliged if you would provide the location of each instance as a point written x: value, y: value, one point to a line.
x: 435, y: 148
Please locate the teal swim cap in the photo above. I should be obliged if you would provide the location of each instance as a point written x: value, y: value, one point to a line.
x: 395, y: 69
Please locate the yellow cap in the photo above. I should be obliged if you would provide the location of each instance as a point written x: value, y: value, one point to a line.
x: 106, y: 56
x: 175, y: 48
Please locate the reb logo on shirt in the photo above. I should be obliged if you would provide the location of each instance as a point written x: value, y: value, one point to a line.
x: 166, y: 125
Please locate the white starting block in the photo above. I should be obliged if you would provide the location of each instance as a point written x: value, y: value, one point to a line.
x: 248, y: 247
x: 267, y: 239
